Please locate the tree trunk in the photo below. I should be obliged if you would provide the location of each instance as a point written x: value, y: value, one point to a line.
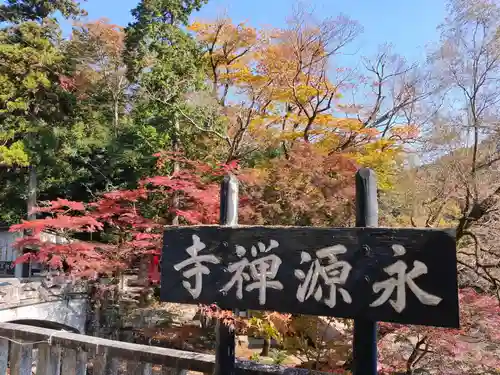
x: 24, y: 269
x: 265, y: 348
x: 116, y: 115
x: 177, y: 168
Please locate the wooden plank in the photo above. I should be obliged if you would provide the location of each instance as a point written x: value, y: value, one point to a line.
x: 49, y: 360
x: 406, y: 276
x: 105, y: 364
x: 114, y: 366
x: 21, y: 360
x: 81, y: 362
x: 55, y: 360
x: 68, y: 362
x: 172, y: 371
x: 4, y: 355
x: 74, y: 362
x: 139, y: 368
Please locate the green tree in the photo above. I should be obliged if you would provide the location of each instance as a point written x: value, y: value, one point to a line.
x: 164, y: 63
x: 32, y: 98
x: 30, y: 93
x: 40, y: 125
x: 38, y: 10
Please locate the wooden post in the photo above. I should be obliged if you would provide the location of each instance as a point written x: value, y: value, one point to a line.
x: 81, y: 363
x: 21, y: 359
x: 4, y: 355
x: 225, y: 335
x: 365, y: 331
x: 68, y: 366
x: 139, y: 368
x: 172, y: 371
x: 104, y: 364
x: 229, y: 201
x: 49, y: 360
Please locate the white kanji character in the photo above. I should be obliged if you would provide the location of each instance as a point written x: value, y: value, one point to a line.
x: 262, y: 271
x: 403, y: 278
x: 333, y: 274
x: 198, y: 268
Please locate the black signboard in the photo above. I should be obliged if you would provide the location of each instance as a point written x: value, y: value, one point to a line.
x: 405, y: 276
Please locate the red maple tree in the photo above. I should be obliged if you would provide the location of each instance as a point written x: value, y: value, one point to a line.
x: 408, y: 348
x: 106, y: 236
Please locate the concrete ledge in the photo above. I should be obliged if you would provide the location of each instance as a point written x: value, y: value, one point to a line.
x: 71, y: 313
x: 36, y: 301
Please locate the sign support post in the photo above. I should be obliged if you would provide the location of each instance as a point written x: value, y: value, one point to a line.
x: 365, y: 331
x: 225, y: 335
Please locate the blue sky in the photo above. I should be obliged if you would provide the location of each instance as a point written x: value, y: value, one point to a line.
x: 410, y: 25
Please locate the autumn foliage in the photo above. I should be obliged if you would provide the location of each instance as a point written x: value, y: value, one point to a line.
x: 409, y: 348
x: 120, y: 226
x: 308, y: 188
x: 285, y: 92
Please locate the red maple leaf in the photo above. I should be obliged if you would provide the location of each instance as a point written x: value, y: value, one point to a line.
x: 120, y: 213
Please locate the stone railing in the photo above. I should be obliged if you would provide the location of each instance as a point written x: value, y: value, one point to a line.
x: 64, y: 353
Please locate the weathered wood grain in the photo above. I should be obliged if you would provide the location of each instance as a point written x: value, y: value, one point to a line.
x: 4, y: 355
x: 81, y: 362
x: 21, y: 359
x: 104, y: 363
x: 172, y: 371
x: 368, y: 250
x: 135, y: 368
x: 49, y: 360
x: 68, y: 362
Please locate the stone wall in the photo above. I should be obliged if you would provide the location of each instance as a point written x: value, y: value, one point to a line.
x: 49, y: 299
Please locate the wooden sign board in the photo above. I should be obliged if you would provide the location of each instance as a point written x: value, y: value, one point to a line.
x: 404, y: 276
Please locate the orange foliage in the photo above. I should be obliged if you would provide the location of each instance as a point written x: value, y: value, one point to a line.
x: 282, y: 90
x: 96, y: 48
x: 308, y: 188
